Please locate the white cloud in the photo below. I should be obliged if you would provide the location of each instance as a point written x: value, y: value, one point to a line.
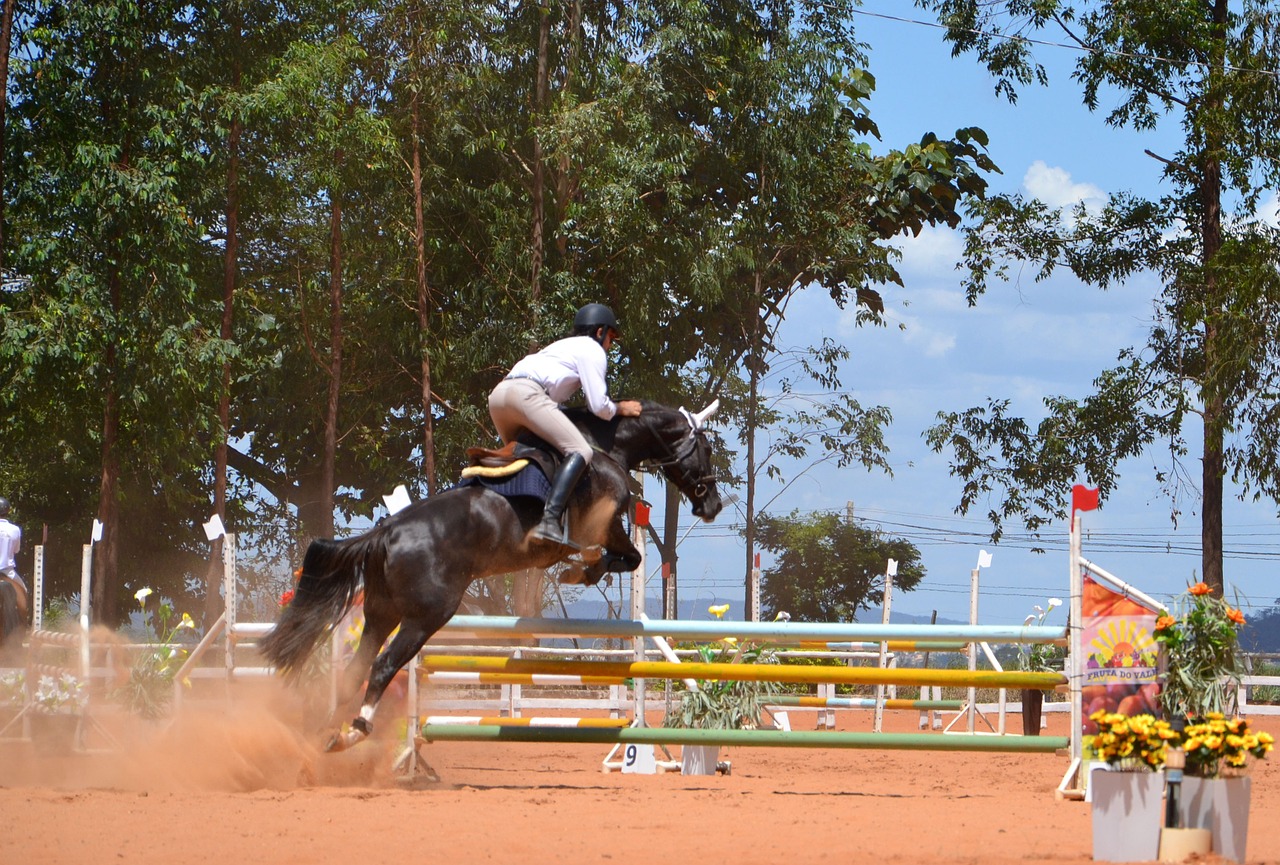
x: 1269, y: 210
x: 1055, y: 187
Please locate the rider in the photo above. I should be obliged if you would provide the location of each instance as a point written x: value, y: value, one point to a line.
x: 529, y: 399
x: 10, y: 544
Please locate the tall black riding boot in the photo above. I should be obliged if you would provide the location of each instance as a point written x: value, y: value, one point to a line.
x: 552, y: 527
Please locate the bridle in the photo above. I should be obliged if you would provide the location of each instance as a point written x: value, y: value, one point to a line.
x: 696, y: 487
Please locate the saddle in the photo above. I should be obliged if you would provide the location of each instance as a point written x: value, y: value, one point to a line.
x: 509, y: 460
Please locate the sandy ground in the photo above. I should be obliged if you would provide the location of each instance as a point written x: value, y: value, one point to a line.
x: 243, y: 787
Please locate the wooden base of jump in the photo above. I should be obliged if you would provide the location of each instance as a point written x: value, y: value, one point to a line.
x: 746, y: 738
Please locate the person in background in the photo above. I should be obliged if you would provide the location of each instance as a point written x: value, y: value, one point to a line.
x: 529, y: 398
x: 10, y: 545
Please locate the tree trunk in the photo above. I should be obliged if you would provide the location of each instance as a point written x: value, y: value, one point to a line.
x: 753, y: 396
x: 6, y: 39
x: 424, y: 306
x: 329, y: 459
x: 213, y: 603
x: 541, y: 87
x: 1216, y: 407
x: 106, y: 553
x: 670, y: 553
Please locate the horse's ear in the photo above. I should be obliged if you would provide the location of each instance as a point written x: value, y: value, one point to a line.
x: 701, y: 417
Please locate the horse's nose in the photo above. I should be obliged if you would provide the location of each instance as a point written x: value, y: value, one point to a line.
x: 709, y: 507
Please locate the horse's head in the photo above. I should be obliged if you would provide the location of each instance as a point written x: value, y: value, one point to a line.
x: 685, y: 455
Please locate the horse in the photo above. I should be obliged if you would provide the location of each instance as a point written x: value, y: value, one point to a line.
x: 415, y: 565
x: 13, y: 612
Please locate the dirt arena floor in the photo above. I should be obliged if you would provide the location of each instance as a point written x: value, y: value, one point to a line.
x: 242, y: 787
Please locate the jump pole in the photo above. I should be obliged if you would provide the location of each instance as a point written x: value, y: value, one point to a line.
x: 748, y: 672
x: 891, y: 704
x: 973, y: 742
x: 686, y: 630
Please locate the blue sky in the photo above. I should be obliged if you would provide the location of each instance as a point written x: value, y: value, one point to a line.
x: 1023, y: 341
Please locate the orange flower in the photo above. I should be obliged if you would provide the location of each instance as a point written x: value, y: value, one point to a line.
x: 1200, y: 589
x: 1165, y: 622
x: 1235, y: 616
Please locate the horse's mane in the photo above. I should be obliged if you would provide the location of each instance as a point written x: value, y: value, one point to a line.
x: 602, y: 433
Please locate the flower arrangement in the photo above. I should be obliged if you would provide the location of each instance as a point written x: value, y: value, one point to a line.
x: 1217, y: 746
x: 1200, y: 641
x: 64, y: 695
x: 1040, y: 657
x: 150, y: 685
x: 13, y: 688
x: 720, y: 704
x: 1132, y: 743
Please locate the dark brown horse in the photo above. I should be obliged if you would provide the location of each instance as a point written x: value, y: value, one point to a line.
x: 415, y: 565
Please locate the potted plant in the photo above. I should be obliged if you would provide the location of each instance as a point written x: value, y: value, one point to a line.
x: 1201, y: 659
x: 721, y: 704
x: 1202, y: 668
x: 1216, y: 789
x: 1037, y: 658
x: 13, y: 695
x: 149, y: 688
x: 1126, y: 798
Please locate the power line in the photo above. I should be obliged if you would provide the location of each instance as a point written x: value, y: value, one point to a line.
x: 1070, y: 46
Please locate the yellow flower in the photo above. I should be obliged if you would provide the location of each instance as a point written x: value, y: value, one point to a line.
x: 719, y: 610
x: 730, y: 641
x: 141, y: 595
x: 186, y: 622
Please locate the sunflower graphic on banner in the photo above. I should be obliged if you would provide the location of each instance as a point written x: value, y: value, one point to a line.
x: 1121, y: 654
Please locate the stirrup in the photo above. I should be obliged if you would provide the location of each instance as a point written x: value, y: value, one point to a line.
x: 553, y: 533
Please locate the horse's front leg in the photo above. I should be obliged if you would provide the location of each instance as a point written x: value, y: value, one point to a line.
x: 620, y: 555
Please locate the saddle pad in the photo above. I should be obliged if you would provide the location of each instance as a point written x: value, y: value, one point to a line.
x: 495, y: 471
x: 530, y: 482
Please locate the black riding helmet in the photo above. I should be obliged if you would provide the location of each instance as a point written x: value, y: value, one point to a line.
x: 590, y: 318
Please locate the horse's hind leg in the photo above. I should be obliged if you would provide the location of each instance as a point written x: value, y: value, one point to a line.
x: 401, y: 650
x: 379, y: 621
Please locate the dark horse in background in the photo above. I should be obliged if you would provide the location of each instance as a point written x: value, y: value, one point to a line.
x: 415, y: 565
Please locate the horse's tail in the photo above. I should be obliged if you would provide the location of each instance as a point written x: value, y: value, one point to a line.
x: 332, y: 573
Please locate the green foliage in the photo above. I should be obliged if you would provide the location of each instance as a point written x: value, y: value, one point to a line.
x: 693, y: 164
x: 1210, y: 357
x: 828, y: 568
x: 1200, y: 639
x: 721, y: 704
x: 1041, y: 657
x: 149, y: 689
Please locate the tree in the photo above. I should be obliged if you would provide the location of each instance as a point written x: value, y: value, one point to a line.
x: 1211, y: 356
x: 829, y: 568
x: 110, y: 260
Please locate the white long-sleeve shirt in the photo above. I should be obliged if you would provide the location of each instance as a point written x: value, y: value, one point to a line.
x: 10, y: 544
x: 568, y: 364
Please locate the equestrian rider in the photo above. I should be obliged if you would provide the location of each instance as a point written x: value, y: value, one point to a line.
x: 10, y: 544
x: 529, y: 398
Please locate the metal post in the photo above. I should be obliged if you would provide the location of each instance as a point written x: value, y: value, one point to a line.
x: 36, y: 600
x: 638, y: 611
x: 229, y: 600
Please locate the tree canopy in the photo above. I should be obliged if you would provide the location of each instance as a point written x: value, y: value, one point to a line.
x: 289, y: 248
x: 828, y: 568
x: 1209, y: 371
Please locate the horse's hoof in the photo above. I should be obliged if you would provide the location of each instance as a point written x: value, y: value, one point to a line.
x: 574, y: 575
x: 342, y: 740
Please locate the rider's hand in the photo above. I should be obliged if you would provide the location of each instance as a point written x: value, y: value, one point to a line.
x: 629, y: 408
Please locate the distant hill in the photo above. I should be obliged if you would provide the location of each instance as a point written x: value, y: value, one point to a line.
x: 595, y: 609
